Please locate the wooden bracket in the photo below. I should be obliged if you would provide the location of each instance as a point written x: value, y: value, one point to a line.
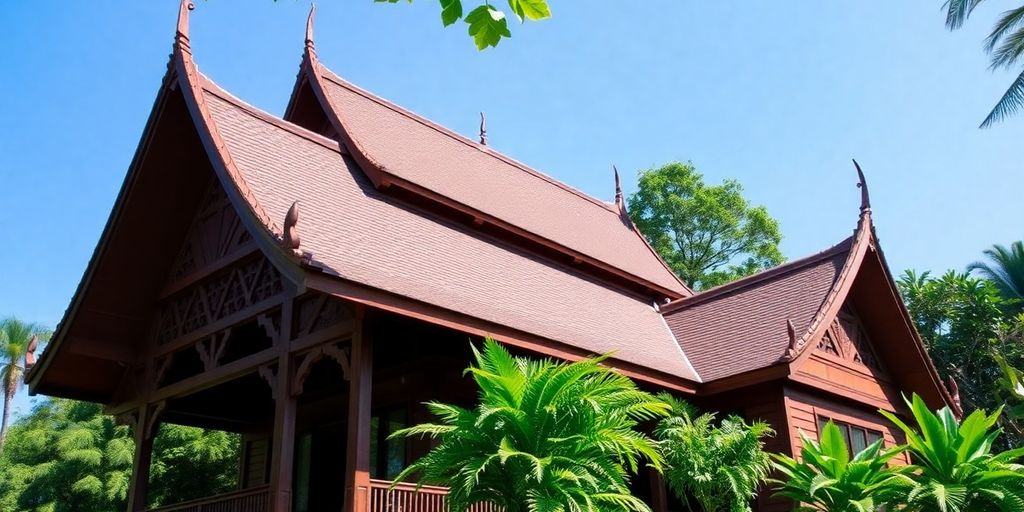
x: 339, y: 355
x: 153, y: 419
x: 267, y: 324
x: 130, y: 418
x: 161, y: 370
x: 270, y: 375
x: 212, y: 349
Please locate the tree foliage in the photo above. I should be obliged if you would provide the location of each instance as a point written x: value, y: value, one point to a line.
x: 1006, y: 46
x: 15, y: 337
x: 955, y: 468
x: 487, y: 24
x: 828, y: 479
x: 719, y: 464
x: 545, y: 436
x: 67, y: 456
x: 964, y: 321
x: 708, y: 234
x: 1004, y: 268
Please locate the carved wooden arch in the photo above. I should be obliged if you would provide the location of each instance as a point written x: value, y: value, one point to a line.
x: 331, y: 351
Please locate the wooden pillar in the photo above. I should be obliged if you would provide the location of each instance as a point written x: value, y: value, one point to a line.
x: 357, y: 464
x: 145, y: 425
x: 285, y: 407
x: 659, y: 494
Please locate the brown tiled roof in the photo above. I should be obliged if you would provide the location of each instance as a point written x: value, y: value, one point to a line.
x: 742, y: 326
x: 365, y: 236
x: 408, y: 147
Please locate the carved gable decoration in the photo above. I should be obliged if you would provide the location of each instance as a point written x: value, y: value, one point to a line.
x: 318, y: 312
x: 847, y: 339
x: 216, y: 234
x: 231, y: 290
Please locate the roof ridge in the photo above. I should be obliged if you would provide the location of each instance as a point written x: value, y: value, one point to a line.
x: 744, y: 282
x: 338, y: 80
x: 262, y: 115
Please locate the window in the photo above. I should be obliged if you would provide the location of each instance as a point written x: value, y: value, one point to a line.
x: 387, y: 457
x: 857, y: 438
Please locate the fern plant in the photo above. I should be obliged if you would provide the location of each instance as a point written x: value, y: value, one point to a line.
x: 545, y: 436
x: 828, y: 479
x: 719, y: 464
x: 955, y: 468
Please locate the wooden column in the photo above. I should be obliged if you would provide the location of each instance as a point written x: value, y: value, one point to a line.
x: 357, y: 464
x: 145, y: 425
x: 285, y: 407
x: 659, y: 494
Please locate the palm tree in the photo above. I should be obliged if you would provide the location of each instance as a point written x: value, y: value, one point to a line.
x: 829, y: 480
x: 545, y: 435
x: 16, y: 338
x: 1006, y: 45
x: 720, y: 466
x: 1005, y: 267
x: 954, y: 467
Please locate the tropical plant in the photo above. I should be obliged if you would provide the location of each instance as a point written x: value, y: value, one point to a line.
x: 487, y: 23
x: 828, y: 479
x: 708, y: 234
x: 545, y: 436
x: 963, y: 320
x: 954, y: 464
x: 1005, y: 268
x: 67, y: 456
x: 1005, y: 44
x: 719, y: 464
x: 15, y: 338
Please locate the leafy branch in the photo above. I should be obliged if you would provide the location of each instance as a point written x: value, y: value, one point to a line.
x: 487, y: 23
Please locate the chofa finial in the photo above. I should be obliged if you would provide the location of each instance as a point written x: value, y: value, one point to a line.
x: 309, y: 28
x: 181, y: 37
x: 290, y: 239
x: 954, y: 393
x: 865, y: 199
x: 618, y: 187
x: 483, y: 129
x: 30, y: 352
x: 792, y: 349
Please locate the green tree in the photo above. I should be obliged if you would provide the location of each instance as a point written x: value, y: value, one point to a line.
x: 708, y: 234
x: 67, y: 456
x: 545, y: 436
x: 720, y: 465
x: 1005, y: 44
x: 487, y: 24
x: 15, y: 338
x: 954, y: 467
x: 962, y: 320
x: 1004, y: 269
x: 828, y: 479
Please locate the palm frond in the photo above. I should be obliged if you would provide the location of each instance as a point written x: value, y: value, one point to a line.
x: 957, y: 12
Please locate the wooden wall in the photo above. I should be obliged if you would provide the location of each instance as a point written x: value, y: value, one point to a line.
x: 803, y: 408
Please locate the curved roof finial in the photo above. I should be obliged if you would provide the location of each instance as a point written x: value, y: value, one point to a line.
x: 865, y: 199
x: 309, y: 28
x: 618, y: 187
x: 181, y: 37
x: 290, y: 238
x: 483, y: 129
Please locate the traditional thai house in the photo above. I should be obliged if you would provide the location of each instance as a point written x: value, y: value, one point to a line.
x: 308, y: 281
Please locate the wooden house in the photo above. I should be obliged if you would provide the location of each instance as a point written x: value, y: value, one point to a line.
x: 309, y: 280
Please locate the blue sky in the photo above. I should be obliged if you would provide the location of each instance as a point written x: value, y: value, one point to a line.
x: 779, y: 98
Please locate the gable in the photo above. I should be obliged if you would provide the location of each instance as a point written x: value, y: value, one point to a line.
x: 171, y: 226
x: 847, y: 342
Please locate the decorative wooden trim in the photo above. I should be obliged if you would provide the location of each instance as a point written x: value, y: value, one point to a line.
x: 339, y: 355
x: 267, y: 323
x: 269, y: 374
x: 153, y: 419
x: 162, y: 365
x: 212, y: 349
x: 222, y: 373
x: 224, y: 323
